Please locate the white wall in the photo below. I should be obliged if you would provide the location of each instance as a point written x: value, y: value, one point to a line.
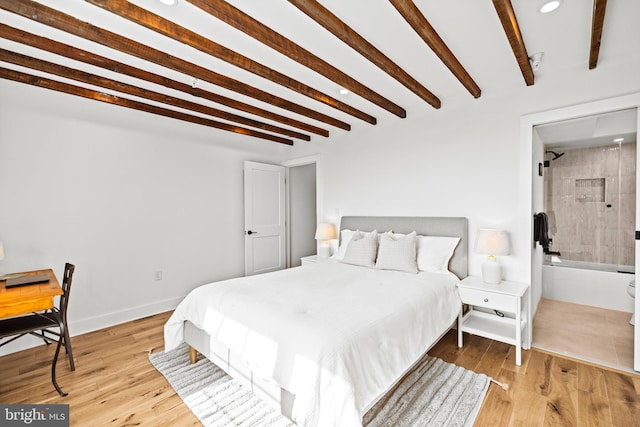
x: 121, y: 199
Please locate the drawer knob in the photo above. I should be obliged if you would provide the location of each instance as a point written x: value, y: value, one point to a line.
x: 486, y: 300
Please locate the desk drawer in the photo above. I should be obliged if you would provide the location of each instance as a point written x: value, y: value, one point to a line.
x: 488, y: 299
x: 23, y: 307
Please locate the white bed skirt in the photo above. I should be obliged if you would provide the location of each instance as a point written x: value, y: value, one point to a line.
x: 280, y: 399
x: 220, y: 354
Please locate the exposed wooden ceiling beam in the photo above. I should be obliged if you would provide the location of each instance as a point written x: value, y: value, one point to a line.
x: 91, y: 58
x: 348, y: 35
x: 81, y: 76
x: 47, y: 83
x: 507, y: 16
x: 56, y: 19
x: 245, y: 23
x: 419, y: 23
x: 170, y: 29
x: 597, y: 23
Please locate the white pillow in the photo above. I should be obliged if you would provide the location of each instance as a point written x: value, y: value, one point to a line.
x: 345, y: 238
x: 434, y: 252
x: 362, y: 249
x: 397, y: 252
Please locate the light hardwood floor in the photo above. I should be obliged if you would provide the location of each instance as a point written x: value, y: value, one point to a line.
x: 114, y: 383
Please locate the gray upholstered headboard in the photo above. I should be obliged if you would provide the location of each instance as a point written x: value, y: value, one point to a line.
x: 427, y: 226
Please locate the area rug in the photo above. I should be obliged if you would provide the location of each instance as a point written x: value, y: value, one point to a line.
x: 433, y: 393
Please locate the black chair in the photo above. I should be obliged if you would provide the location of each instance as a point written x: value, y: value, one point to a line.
x: 40, y: 325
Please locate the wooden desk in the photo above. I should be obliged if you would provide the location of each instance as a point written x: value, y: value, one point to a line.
x: 29, y: 298
x: 22, y: 300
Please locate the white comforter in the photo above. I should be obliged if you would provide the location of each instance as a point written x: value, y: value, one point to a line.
x: 335, y: 335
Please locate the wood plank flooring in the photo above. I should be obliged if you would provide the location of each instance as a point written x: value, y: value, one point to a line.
x: 547, y: 389
x: 114, y: 383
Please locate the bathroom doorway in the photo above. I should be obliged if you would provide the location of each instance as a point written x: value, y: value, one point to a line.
x: 588, y: 175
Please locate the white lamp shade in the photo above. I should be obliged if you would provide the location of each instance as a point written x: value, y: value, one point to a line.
x: 492, y: 242
x: 326, y: 231
x: 1, y: 252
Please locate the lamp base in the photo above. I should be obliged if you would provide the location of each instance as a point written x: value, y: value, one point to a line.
x: 324, y: 251
x: 491, y: 271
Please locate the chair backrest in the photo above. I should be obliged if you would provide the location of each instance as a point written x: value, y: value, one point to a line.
x: 66, y: 289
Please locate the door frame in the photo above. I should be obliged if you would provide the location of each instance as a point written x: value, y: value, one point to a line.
x: 529, y: 159
x: 302, y: 161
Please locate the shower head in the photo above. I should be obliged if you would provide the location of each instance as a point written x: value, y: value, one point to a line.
x: 555, y: 155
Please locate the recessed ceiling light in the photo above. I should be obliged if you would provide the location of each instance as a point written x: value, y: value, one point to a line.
x: 550, y: 6
x: 618, y: 140
x: 169, y: 2
x: 344, y: 91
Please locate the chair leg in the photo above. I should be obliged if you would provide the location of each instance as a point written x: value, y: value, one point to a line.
x: 64, y: 335
x: 67, y: 346
x: 53, y: 370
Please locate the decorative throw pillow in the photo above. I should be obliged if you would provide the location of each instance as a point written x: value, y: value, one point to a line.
x: 434, y: 252
x: 345, y: 238
x: 362, y: 249
x: 397, y: 252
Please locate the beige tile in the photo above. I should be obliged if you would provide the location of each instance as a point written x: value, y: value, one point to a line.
x: 586, y: 332
x: 618, y: 316
x: 543, y: 335
x: 589, y: 345
x: 621, y: 328
x: 624, y: 353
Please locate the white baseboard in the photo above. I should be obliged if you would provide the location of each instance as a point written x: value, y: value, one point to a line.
x: 91, y: 324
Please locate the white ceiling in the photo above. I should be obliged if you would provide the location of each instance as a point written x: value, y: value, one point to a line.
x: 591, y: 131
x: 470, y: 28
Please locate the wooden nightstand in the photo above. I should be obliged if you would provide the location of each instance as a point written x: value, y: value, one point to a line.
x: 508, y: 298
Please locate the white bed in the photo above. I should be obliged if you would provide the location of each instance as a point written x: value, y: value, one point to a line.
x: 324, y: 341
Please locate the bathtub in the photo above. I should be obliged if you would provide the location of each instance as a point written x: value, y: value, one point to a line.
x: 598, y: 285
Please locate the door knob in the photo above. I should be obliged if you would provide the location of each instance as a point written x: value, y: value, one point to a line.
x: 251, y: 232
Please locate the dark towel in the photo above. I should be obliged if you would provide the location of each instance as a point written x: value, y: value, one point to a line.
x: 541, y: 230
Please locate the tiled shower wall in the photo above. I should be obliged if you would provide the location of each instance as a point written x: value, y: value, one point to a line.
x: 590, y: 198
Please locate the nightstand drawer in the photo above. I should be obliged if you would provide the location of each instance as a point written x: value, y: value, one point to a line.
x: 488, y: 299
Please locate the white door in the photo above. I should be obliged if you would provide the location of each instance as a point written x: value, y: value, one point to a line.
x: 264, y: 218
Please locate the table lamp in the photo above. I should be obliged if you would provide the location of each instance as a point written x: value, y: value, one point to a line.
x: 492, y: 243
x: 324, y: 233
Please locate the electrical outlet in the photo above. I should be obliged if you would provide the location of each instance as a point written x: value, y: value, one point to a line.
x: 158, y: 275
